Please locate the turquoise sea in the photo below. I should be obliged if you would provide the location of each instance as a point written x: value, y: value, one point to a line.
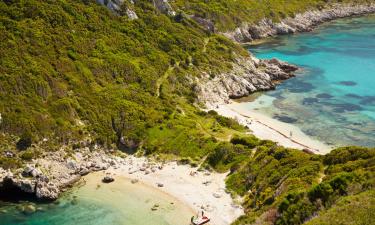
x: 95, y: 203
x: 333, y: 98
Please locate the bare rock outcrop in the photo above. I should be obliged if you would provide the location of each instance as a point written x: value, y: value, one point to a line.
x: 116, y: 6
x: 250, y: 74
x: 46, y: 177
x: 247, y: 76
x: 164, y: 7
x: 300, y: 23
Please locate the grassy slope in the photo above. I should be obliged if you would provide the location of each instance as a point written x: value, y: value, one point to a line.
x: 284, y: 186
x: 351, y: 210
x: 70, y: 70
x: 227, y: 14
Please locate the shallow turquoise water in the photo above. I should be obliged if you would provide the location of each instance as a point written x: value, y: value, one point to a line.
x: 118, y: 203
x: 333, y: 98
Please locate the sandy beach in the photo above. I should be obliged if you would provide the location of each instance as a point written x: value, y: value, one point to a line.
x: 197, y: 190
x: 130, y: 203
x: 268, y: 128
x: 203, y: 190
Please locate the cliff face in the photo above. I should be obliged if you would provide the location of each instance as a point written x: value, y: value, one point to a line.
x: 300, y: 23
x: 247, y: 76
x: 46, y: 177
x: 250, y: 74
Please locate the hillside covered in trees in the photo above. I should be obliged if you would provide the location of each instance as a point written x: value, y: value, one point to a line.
x: 73, y: 73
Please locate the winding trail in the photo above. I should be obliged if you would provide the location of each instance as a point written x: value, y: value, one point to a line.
x: 161, y: 80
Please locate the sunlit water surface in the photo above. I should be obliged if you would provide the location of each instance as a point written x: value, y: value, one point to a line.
x: 118, y: 203
x: 333, y: 98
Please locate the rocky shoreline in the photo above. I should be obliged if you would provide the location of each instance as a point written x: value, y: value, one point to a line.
x: 250, y: 74
x: 247, y: 76
x: 302, y: 22
x: 48, y: 176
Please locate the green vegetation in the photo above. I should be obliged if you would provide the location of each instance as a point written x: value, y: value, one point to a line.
x: 71, y: 72
x: 70, y: 69
x: 228, y: 14
x: 350, y: 210
x: 285, y: 186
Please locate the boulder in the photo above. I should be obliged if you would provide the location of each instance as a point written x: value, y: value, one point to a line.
x: 27, y: 186
x: 108, y: 178
x: 216, y: 195
x: 131, y: 14
x: 36, y: 173
x: 164, y: 7
x: 27, y: 171
x: 9, y: 154
x: 47, y: 191
x: 72, y: 165
x: 84, y: 171
x: 155, y: 207
x: 31, y: 171
x: 29, y: 209
x: 133, y: 181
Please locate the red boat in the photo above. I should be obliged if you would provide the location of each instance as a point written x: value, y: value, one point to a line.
x: 200, y: 220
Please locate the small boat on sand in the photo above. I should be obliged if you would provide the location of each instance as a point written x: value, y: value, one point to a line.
x: 200, y: 219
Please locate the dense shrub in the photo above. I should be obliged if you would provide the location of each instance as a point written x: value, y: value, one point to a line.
x: 248, y: 141
x: 27, y: 155
x: 24, y: 142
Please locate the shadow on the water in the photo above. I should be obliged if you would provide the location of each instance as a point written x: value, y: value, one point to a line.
x: 13, y: 194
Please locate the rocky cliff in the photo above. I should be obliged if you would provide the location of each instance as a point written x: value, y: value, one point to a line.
x: 300, y: 23
x: 46, y: 177
x: 250, y: 74
x: 247, y: 76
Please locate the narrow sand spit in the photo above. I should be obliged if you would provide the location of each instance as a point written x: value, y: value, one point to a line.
x: 198, y: 190
x: 265, y: 127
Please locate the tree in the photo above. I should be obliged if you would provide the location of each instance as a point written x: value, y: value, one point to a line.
x: 24, y: 142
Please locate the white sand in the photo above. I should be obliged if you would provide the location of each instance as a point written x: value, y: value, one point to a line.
x: 268, y: 128
x: 128, y: 203
x: 188, y: 189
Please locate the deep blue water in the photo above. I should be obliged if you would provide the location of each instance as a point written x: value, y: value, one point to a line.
x: 333, y: 98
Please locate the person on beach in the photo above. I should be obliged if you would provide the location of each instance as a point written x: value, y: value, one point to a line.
x: 291, y: 134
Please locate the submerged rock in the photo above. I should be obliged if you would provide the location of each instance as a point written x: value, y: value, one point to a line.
x: 348, y: 83
x: 310, y: 101
x: 324, y: 96
x: 74, y: 201
x: 29, y: 209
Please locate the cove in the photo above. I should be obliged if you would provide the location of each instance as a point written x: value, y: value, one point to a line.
x: 96, y: 203
x: 332, y: 99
